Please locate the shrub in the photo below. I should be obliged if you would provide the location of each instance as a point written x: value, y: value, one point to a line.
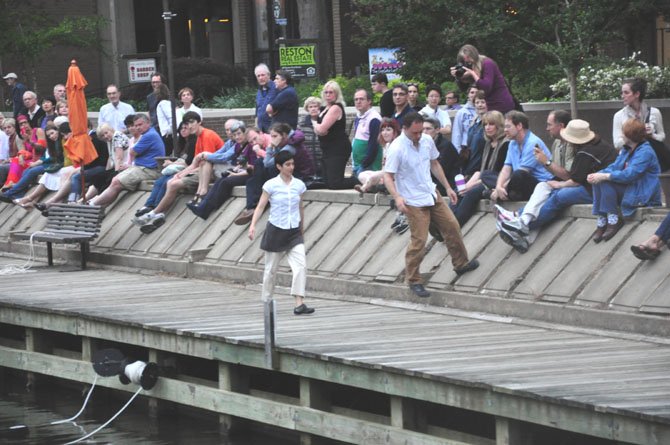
x: 603, y: 81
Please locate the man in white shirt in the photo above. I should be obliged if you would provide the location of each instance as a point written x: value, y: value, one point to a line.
x: 411, y: 159
x: 115, y: 111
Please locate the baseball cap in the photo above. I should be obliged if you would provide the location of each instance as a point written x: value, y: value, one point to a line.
x: 11, y: 76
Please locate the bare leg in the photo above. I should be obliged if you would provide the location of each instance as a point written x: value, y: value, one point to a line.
x: 173, y: 187
x: 109, y: 195
x: 205, y: 175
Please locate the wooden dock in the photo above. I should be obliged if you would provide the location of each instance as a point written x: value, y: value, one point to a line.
x: 508, y: 380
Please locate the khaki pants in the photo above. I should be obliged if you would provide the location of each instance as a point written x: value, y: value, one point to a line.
x: 419, y: 219
x: 297, y: 261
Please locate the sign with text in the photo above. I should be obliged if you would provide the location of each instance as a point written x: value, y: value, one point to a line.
x: 299, y: 60
x: 140, y: 70
x: 384, y: 60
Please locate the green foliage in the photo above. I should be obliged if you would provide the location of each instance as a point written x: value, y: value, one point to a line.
x: 28, y: 35
x: 524, y: 38
x: 234, y: 98
x: 599, y: 81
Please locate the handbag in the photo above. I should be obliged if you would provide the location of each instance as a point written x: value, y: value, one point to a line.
x: 172, y: 169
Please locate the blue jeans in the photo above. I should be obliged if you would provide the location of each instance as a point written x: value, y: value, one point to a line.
x: 559, y: 200
x: 467, y: 204
x: 158, y: 191
x: 28, y: 177
x: 75, y: 180
x: 607, y: 196
x: 663, y: 230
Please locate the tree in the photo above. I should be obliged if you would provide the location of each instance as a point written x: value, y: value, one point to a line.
x: 516, y: 34
x: 28, y: 35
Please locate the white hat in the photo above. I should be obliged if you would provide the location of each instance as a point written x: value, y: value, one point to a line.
x: 60, y: 119
x: 11, y: 76
x: 577, y: 132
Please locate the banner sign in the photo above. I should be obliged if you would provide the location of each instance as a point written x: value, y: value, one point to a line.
x: 140, y: 70
x: 299, y: 60
x: 384, y: 60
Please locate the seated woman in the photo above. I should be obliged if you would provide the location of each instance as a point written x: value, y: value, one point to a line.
x: 53, y: 169
x: 629, y: 182
x: 370, y: 179
x: 651, y: 248
x: 26, y: 166
x: 493, y: 159
x: 14, y: 146
x: 243, y: 162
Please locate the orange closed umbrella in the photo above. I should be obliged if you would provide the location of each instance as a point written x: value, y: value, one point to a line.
x: 79, y: 147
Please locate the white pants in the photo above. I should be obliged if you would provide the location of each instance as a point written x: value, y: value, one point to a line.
x: 298, y: 263
x: 537, y: 199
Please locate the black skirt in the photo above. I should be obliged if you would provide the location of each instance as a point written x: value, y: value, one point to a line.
x: 280, y: 240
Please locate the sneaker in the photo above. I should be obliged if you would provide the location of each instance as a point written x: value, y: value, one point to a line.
x: 143, y: 211
x: 244, y: 217
x: 471, y: 265
x: 157, y: 220
x: 397, y: 222
x: 402, y: 228
x: 514, y: 239
x: 419, y: 290
x: 303, y: 310
x: 516, y: 225
x: 502, y: 214
x: 143, y: 219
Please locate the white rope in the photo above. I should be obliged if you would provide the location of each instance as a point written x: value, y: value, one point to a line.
x: 88, y: 396
x: 13, y: 269
x: 109, y: 421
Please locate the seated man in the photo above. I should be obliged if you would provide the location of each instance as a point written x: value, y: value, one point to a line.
x: 208, y: 142
x: 591, y: 154
x: 145, y: 168
x: 521, y: 171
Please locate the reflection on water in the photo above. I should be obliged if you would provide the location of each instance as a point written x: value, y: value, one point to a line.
x: 50, y: 401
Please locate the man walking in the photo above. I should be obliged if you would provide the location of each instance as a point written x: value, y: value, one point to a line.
x: 411, y: 159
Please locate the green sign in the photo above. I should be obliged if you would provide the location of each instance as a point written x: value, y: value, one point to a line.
x: 297, y: 55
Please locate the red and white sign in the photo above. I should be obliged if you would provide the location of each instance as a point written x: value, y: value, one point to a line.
x: 140, y: 70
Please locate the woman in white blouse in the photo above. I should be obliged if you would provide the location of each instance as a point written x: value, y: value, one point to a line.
x: 633, y: 92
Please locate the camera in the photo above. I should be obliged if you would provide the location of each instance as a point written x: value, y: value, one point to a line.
x: 460, y: 69
x: 242, y: 161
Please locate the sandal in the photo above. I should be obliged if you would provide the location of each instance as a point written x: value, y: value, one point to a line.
x: 196, y: 200
x: 643, y: 252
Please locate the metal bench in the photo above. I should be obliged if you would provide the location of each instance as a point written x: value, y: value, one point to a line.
x: 69, y: 224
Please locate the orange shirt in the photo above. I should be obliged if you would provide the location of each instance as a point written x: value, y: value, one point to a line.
x: 208, y: 141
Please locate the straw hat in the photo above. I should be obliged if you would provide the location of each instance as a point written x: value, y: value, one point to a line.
x: 577, y: 132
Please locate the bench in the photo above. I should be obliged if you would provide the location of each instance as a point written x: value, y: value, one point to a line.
x: 69, y: 224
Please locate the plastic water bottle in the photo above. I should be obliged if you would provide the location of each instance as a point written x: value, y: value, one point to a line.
x: 460, y: 182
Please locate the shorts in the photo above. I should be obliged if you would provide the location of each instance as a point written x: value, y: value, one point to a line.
x: 132, y: 177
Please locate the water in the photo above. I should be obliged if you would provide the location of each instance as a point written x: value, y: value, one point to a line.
x: 51, y: 401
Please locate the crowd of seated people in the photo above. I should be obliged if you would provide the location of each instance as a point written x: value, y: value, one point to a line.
x: 485, y: 152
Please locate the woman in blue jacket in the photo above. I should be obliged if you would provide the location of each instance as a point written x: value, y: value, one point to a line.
x: 629, y: 182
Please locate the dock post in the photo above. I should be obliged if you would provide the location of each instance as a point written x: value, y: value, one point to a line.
x: 508, y: 432
x: 35, y: 342
x: 313, y: 394
x: 405, y: 414
x: 270, y: 313
x: 230, y: 379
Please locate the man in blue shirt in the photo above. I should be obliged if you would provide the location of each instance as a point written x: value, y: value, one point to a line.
x: 144, y: 168
x: 265, y: 94
x: 521, y: 171
x: 284, y: 107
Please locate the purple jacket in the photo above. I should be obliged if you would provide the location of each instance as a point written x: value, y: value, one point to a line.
x: 491, y: 80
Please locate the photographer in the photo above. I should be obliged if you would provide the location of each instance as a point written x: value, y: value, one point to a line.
x: 474, y: 69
